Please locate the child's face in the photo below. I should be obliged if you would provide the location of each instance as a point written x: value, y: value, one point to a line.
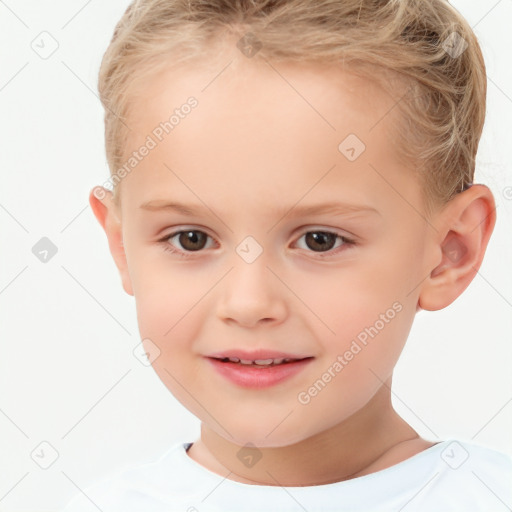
x: 261, y: 145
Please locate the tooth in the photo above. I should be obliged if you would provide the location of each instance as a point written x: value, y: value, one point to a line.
x: 259, y: 362
x: 264, y: 361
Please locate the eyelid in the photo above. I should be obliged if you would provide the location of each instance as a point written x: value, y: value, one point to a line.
x: 184, y: 229
x: 348, y: 241
x: 303, y: 230
x: 335, y: 231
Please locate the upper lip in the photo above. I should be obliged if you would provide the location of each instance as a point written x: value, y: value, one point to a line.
x: 260, y: 354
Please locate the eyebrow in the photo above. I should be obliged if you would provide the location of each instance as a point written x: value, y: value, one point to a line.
x: 332, y: 208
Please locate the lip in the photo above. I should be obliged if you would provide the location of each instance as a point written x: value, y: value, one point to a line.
x: 256, y: 354
x: 257, y: 377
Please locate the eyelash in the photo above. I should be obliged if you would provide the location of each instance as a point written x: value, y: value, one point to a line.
x: 347, y: 243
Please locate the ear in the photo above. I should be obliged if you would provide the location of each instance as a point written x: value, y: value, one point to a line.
x: 465, y: 226
x: 106, y: 211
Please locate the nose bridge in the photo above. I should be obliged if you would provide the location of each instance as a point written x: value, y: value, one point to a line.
x: 250, y: 291
x: 251, y: 271
x: 250, y: 275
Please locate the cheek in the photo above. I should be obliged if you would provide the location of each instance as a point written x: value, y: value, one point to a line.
x: 369, y: 336
x: 356, y: 363
x: 344, y: 301
x: 166, y: 304
x: 164, y: 288
x: 364, y: 320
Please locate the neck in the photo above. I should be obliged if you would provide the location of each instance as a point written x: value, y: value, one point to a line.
x: 355, y: 447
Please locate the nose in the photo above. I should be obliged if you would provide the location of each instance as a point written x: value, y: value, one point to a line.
x: 251, y: 294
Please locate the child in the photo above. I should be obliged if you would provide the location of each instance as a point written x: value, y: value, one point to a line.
x: 292, y: 183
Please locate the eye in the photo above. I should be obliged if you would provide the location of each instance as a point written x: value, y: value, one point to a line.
x: 324, y: 241
x: 190, y: 240
x: 194, y: 240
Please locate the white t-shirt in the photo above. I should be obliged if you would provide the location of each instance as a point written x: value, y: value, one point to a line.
x: 449, y: 476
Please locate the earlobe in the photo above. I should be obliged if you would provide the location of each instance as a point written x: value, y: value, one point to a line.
x: 465, y: 227
x: 105, y: 211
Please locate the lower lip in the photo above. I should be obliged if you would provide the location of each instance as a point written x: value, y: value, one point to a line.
x: 258, y: 377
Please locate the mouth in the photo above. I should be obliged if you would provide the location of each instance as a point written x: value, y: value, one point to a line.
x: 258, y: 369
x: 261, y: 363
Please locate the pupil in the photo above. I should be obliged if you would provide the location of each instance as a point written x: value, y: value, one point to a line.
x: 320, y: 240
x: 192, y: 240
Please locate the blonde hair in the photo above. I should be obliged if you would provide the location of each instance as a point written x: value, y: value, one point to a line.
x: 426, y: 46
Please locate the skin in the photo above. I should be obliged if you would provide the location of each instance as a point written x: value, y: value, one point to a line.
x: 251, y: 150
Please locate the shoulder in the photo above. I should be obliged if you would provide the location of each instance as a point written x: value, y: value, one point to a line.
x: 450, y: 475
x: 468, y: 476
x: 135, y: 487
x: 476, y: 457
x: 453, y: 452
x: 399, y: 453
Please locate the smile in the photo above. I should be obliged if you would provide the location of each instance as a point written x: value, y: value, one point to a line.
x: 258, y: 373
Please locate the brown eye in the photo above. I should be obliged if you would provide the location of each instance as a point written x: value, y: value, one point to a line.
x: 192, y: 240
x: 186, y: 242
x: 320, y: 241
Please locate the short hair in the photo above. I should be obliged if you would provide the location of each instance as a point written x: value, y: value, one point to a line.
x: 423, y: 49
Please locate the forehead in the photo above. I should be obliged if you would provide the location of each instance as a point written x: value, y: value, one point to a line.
x: 258, y: 123
x: 243, y: 86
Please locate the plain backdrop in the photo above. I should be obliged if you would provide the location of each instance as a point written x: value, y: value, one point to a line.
x: 68, y: 375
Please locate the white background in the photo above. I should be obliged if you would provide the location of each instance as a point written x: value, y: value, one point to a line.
x: 67, y: 372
